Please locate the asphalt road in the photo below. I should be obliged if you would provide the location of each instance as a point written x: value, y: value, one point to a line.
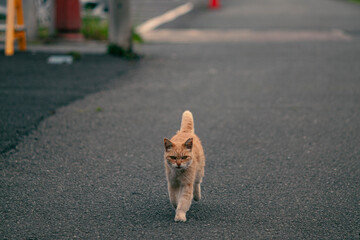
x: 31, y: 89
x: 279, y: 122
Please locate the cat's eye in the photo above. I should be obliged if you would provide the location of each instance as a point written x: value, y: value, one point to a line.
x: 184, y: 157
x: 173, y: 157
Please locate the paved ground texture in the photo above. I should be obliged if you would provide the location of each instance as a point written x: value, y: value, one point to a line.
x: 31, y: 89
x: 279, y: 121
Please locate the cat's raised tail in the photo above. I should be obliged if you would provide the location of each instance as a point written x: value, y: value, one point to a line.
x: 187, y: 122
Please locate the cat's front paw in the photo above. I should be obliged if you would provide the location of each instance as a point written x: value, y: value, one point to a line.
x: 180, y: 217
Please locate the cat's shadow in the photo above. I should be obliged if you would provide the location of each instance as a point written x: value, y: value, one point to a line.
x: 201, y: 211
x: 163, y: 212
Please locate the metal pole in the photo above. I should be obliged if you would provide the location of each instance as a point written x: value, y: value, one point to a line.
x: 120, y: 24
x: 30, y: 19
x: 10, y: 28
x: 51, y: 26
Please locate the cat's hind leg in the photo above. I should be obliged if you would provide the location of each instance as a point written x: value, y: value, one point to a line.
x: 197, y: 192
x: 197, y: 184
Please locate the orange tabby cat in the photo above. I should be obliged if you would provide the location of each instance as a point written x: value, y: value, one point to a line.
x: 184, y: 166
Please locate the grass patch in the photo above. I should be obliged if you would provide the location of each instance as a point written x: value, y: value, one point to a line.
x: 95, y: 28
x: 355, y: 1
x: 44, y: 36
x: 75, y: 55
x: 136, y: 37
x: 43, y: 33
x: 127, y: 54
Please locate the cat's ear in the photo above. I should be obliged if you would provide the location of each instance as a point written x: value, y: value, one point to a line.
x: 189, y: 144
x: 168, y: 144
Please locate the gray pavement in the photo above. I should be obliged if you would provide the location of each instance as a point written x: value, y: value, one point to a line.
x: 145, y: 10
x: 277, y: 14
x: 279, y: 122
x: 31, y: 89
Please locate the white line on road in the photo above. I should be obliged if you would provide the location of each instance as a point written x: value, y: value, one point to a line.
x: 164, y: 18
x: 243, y: 35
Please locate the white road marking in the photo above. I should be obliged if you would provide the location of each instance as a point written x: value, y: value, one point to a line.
x: 164, y: 18
x: 242, y: 35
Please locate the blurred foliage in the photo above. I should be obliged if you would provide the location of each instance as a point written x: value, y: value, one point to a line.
x: 127, y: 54
x: 136, y: 37
x: 43, y: 36
x: 95, y: 28
x: 43, y: 33
x: 76, y: 55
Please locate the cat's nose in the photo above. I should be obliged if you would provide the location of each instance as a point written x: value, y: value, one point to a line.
x: 178, y: 163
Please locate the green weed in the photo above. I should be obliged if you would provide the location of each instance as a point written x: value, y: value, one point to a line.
x: 127, y: 54
x: 95, y: 28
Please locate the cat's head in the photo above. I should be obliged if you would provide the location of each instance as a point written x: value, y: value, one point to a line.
x: 178, y: 155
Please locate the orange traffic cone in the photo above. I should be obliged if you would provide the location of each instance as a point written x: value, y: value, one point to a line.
x: 214, y: 4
